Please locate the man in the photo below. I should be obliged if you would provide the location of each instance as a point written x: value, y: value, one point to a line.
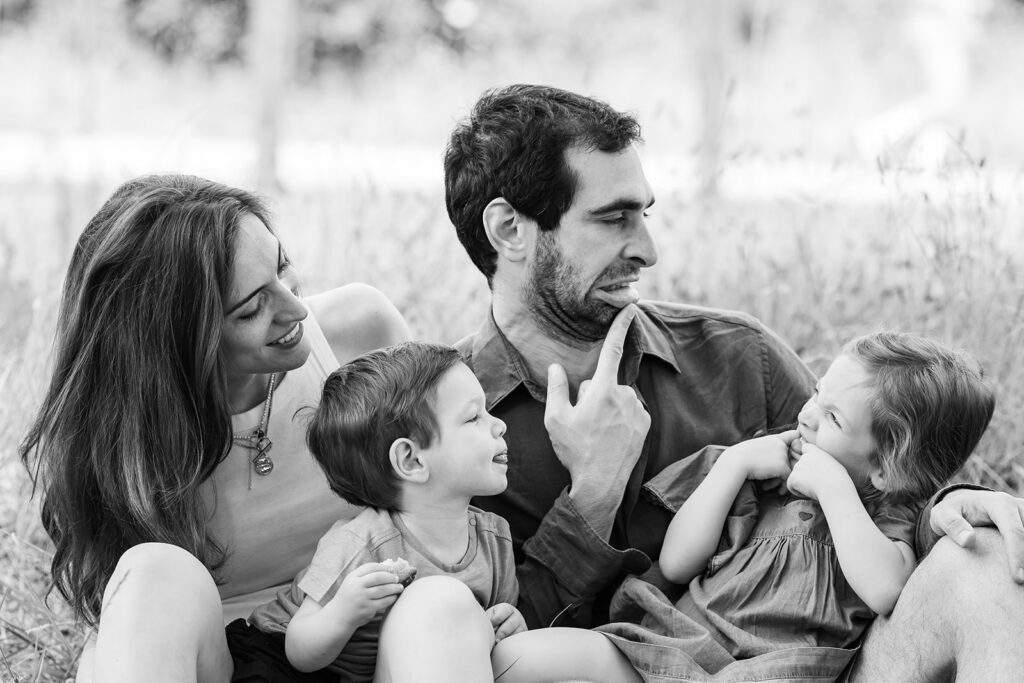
x: 549, y: 198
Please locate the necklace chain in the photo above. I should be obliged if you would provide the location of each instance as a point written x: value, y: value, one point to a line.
x: 259, y: 441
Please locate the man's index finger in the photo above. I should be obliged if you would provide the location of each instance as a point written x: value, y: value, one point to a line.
x: 611, y: 349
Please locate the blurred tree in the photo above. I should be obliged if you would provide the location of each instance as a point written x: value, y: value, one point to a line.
x: 330, y: 33
x: 271, y: 54
x: 207, y: 30
x: 15, y: 11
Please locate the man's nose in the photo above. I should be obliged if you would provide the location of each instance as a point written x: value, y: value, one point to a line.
x: 641, y: 249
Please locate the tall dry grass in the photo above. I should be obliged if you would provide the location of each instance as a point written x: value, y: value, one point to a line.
x: 944, y: 260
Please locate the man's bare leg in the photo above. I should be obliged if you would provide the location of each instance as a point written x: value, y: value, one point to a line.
x: 960, y: 617
x: 560, y: 655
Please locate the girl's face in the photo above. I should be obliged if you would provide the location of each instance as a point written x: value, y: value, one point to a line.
x: 262, y: 330
x: 837, y: 418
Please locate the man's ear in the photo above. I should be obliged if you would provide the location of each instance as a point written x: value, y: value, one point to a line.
x: 505, y: 229
x: 406, y: 462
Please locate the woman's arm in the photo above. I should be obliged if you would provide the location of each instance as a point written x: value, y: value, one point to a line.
x: 694, y: 533
x: 356, y: 319
x: 876, y: 567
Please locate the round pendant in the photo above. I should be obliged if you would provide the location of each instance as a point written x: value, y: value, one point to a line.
x: 263, y: 464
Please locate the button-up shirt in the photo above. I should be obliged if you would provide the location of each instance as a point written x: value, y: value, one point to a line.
x: 705, y: 376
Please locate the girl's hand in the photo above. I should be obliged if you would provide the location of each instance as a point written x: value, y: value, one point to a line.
x: 366, y: 592
x: 763, y: 458
x: 506, y: 620
x: 815, y: 472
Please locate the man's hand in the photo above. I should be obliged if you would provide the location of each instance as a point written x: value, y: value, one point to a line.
x: 600, y: 438
x: 506, y: 621
x: 961, y: 510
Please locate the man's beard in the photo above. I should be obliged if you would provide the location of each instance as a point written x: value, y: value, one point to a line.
x: 557, y: 297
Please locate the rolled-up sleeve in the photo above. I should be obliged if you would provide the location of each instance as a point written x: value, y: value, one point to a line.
x: 566, y: 563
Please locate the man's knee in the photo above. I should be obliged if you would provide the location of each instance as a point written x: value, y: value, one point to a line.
x: 955, y: 572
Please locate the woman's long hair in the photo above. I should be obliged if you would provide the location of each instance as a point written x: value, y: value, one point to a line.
x: 136, y: 414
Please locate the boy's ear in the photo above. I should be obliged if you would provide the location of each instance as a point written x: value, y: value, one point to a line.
x: 406, y: 462
x: 504, y: 227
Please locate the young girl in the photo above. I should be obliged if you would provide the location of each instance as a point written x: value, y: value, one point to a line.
x: 792, y: 543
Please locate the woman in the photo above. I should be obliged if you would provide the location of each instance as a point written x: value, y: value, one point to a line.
x: 174, y: 477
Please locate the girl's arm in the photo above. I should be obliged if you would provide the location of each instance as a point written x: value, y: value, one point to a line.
x: 875, y: 566
x: 693, y: 535
x: 317, y: 633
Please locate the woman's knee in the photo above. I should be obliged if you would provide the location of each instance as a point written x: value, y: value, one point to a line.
x: 436, y: 631
x: 439, y: 596
x: 161, y: 573
x: 436, y: 607
x: 161, y: 612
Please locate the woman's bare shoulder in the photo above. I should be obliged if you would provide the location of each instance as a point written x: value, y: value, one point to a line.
x: 357, y: 318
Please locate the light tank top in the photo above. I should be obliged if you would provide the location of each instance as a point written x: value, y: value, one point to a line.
x: 271, y: 530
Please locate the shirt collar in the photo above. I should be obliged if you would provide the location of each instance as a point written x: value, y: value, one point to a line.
x: 500, y: 367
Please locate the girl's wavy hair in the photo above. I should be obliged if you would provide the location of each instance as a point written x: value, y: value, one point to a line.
x: 930, y: 408
x: 136, y: 414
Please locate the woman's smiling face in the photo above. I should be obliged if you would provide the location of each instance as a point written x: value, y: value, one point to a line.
x: 262, y: 330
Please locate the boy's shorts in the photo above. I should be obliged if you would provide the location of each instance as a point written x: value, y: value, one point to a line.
x: 260, y: 658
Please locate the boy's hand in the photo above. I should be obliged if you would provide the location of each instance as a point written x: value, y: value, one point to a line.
x: 506, y: 620
x: 366, y: 592
x: 815, y: 472
x: 763, y: 458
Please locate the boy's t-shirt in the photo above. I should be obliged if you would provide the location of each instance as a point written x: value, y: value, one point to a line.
x: 487, y: 568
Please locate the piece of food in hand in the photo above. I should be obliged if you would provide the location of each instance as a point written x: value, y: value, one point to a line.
x: 400, y: 568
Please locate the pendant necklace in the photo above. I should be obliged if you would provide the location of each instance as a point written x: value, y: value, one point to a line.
x: 258, y: 441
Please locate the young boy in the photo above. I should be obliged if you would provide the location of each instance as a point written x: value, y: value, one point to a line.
x: 405, y: 432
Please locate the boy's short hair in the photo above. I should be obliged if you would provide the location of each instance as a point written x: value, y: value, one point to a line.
x: 369, y: 403
x: 931, y: 407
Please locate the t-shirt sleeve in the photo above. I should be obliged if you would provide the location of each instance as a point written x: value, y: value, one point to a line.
x: 338, y: 553
x: 506, y: 585
x: 898, y: 521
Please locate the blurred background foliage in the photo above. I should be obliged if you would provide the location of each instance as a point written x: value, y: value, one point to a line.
x: 831, y: 166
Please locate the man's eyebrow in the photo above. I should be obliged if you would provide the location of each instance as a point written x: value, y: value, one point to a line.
x: 256, y: 291
x: 622, y: 204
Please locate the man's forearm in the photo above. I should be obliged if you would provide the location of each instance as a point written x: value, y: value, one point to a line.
x: 566, y: 563
x: 598, y: 504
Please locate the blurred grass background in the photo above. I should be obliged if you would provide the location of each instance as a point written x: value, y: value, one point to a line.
x: 831, y: 166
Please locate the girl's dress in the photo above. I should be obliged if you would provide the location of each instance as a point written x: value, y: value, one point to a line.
x: 773, y: 603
